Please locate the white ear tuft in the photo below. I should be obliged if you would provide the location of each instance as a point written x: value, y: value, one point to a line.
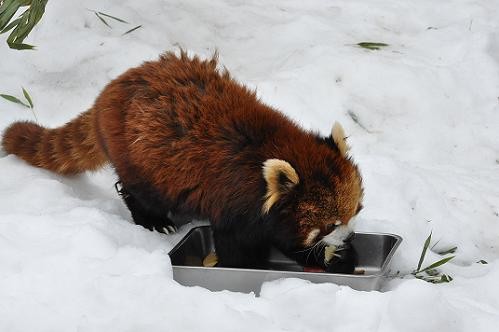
x: 280, y: 177
x: 339, y: 138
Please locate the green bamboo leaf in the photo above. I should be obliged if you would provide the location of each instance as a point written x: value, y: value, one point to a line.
x: 423, y: 253
x: 20, y: 46
x: 29, y: 19
x: 448, y: 251
x: 14, y: 100
x: 25, y: 23
x: 446, y: 278
x: 442, y: 279
x: 113, y: 17
x: 11, y: 25
x: 15, y: 36
x: 435, y: 279
x: 28, y: 97
x: 432, y: 272
x: 132, y: 30
x: 102, y: 20
x: 371, y: 45
x: 8, y: 11
x: 5, y: 4
x: 438, y: 263
x: 426, y: 278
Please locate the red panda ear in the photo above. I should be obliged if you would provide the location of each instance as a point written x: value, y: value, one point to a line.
x: 339, y: 138
x: 281, y: 177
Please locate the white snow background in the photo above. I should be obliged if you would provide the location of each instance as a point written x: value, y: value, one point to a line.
x: 426, y: 142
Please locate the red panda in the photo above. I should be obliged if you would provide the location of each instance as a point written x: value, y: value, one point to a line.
x: 185, y: 137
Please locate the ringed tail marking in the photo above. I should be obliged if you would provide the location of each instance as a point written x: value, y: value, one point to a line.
x: 70, y: 149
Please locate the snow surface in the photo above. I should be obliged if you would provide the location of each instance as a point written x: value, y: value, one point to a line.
x: 425, y: 137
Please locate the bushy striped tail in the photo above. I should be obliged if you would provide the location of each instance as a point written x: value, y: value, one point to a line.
x: 70, y: 149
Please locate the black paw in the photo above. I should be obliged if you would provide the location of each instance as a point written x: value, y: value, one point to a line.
x: 151, y: 219
x: 344, y: 261
x: 153, y: 223
x: 167, y: 229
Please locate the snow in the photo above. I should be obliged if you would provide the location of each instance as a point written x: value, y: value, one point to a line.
x: 425, y: 138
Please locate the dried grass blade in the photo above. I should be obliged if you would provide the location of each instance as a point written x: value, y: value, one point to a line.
x: 113, y: 17
x: 371, y: 45
x: 132, y: 30
x: 102, y: 20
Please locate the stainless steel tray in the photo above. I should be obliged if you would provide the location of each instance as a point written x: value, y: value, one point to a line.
x: 374, y: 252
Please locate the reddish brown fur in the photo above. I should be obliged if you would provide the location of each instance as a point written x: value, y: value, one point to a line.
x: 66, y: 150
x: 198, y: 138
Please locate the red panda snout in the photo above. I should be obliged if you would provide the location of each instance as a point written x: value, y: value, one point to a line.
x: 338, y: 236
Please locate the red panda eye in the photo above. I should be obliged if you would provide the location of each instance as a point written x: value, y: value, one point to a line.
x: 330, y: 228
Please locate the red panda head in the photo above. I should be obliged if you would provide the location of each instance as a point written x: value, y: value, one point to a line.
x: 318, y: 207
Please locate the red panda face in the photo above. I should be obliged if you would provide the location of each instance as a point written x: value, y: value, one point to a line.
x: 311, y: 211
x: 324, y: 213
x: 316, y: 209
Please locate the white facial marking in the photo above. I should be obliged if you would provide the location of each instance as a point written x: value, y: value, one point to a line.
x: 337, y: 222
x: 311, y: 236
x: 337, y: 237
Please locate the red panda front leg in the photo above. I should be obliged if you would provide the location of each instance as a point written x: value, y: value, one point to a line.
x: 240, y: 248
x: 149, y: 218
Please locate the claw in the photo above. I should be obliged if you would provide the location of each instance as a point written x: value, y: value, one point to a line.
x: 166, y: 230
x: 120, y: 189
x: 171, y: 228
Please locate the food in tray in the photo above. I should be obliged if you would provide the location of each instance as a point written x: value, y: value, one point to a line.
x: 329, y: 253
x: 210, y: 260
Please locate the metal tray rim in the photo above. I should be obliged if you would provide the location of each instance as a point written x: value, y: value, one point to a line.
x: 294, y: 274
